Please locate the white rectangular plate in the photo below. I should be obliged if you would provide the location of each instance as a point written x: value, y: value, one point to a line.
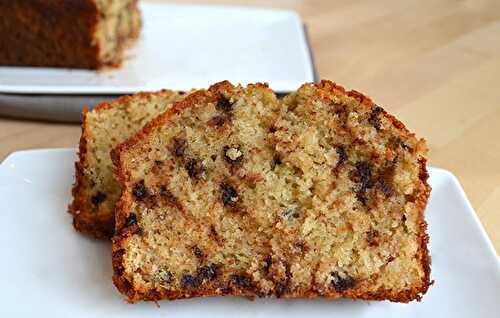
x: 49, y: 270
x: 188, y: 46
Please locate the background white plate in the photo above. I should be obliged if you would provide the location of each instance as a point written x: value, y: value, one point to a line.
x: 188, y: 46
x: 49, y: 270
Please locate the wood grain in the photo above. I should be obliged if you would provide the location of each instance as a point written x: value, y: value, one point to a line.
x: 434, y: 64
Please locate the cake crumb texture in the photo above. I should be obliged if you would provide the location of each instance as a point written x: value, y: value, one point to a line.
x: 233, y: 191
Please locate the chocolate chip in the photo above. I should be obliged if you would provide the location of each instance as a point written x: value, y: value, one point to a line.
x: 164, y: 192
x: 300, y: 246
x: 208, y: 272
x: 281, y: 288
x: 342, y: 282
x: 218, y: 121
x: 276, y: 161
x: 361, y: 196
x: 395, y: 142
x: 289, y: 213
x: 229, y: 194
x: 406, y: 147
x: 198, y: 252
x: 98, y: 198
x: 214, y: 157
x: 272, y: 129
x: 169, y: 197
x: 374, y: 118
x: 267, y: 263
x: 232, y: 155
x: 364, y: 177
x: 214, y: 235
x: 191, y: 167
x: 403, y: 218
x: 364, y: 170
x: 384, y: 180
x: 242, y: 281
x: 139, y: 191
x: 386, y: 187
x: 373, y: 237
x: 131, y: 219
x: 224, y: 104
x: 195, y: 168
x: 178, y: 147
x: 190, y: 281
x: 181, y: 92
x: 341, y: 113
x: 341, y: 154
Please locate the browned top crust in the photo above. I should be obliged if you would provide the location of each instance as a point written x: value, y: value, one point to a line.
x: 126, y: 223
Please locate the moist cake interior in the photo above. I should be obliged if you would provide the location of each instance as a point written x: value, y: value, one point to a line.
x: 320, y: 194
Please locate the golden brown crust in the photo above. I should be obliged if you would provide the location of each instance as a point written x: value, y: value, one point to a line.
x: 124, y: 283
x: 85, y: 219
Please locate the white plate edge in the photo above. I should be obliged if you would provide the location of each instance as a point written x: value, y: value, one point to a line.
x: 471, y: 210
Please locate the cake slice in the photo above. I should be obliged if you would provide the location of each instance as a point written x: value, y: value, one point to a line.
x: 236, y: 192
x: 95, y: 191
x: 85, y: 34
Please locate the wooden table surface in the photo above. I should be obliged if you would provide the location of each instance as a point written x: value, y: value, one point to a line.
x: 433, y: 64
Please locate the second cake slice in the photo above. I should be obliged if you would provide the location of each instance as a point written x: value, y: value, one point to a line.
x: 96, y: 192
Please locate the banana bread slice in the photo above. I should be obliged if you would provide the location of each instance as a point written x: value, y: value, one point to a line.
x: 95, y: 191
x: 85, y: 34
x: 235, y: 192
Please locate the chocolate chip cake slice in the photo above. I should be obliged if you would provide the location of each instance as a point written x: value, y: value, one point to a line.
x: 87, y: 34
x: 95, y: 192
x: 235, y: 192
